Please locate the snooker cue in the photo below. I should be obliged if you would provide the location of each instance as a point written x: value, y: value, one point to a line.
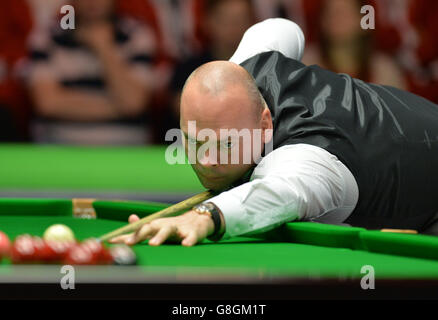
x: 168, y: 212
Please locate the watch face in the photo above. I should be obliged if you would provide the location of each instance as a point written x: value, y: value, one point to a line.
x: 200, y: 208
x: 204, y: 207
x: 209, y: 206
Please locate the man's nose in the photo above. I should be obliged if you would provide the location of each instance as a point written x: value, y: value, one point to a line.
x: 208, y: 159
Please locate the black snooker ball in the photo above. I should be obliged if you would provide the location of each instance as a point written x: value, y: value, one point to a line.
x: 123, y: 255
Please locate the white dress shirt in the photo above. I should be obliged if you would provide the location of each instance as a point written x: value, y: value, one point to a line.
x: 275, y: 34
x: 294, y: 182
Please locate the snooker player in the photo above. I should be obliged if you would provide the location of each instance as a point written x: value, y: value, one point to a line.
x: 344, y: 151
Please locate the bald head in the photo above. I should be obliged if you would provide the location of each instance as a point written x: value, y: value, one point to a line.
x: 221, y: 103
x: 218, y: 77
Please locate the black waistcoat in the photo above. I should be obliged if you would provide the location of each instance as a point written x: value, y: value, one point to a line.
x: 388, y: 138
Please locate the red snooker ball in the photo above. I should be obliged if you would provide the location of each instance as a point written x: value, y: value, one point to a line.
x: 42, y: 251
x: 23, y: 250
x: 79, y: 255
x: 5, y: 245
x: 59, y: 249
x: 100, y: 253
x: 50, y: 252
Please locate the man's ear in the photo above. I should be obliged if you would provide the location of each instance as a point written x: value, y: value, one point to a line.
x: 266, y: 125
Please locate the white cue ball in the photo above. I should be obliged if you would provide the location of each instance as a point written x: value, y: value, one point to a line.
x: 59, y: 233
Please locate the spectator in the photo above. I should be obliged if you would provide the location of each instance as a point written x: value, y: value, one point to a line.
x: 344, y: 47
x: 44, y: 11
x: 92, y: 85
x: 15, y: 25
x: 179, y: 23
x: 421, y: 57
x: 388, y: 32
x: 406, y: 30
x: 225, y: 22
x: 302, y: 12
x: 424, y: 16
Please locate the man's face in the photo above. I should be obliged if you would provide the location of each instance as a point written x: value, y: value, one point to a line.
x: 345, y: 29
x: 94, y: 10
x: 228, y: 22
x: 216, y: 163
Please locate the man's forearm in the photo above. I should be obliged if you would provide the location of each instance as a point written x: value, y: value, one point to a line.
x: 297, y: 182
x: 130, y: 96
x: 67, y: 104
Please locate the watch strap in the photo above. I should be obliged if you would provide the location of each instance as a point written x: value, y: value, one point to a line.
x: 216, y: 217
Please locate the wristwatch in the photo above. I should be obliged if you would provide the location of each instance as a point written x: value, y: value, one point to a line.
x: 213, y: 212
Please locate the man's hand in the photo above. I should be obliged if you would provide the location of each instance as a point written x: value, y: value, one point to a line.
x: 98, y: 36
x: 189, y: 229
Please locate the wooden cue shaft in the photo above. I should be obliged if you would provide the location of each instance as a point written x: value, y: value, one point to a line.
x: 168, y: 212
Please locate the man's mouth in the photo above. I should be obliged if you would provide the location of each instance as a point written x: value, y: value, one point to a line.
x: 210, y: 177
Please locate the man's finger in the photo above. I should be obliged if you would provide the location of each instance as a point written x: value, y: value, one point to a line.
x: 133, y: 218
x: 161, y: 236
x: 190, y: 240
x: 120, y: 239
x: 145, y: 232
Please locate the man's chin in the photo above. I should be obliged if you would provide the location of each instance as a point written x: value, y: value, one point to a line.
x: 215, y: 186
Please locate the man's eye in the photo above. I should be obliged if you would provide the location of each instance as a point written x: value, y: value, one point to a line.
x: 192, y: 141
x: 227, y: 144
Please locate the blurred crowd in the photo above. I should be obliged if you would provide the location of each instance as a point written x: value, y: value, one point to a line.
x: 116, y: 78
